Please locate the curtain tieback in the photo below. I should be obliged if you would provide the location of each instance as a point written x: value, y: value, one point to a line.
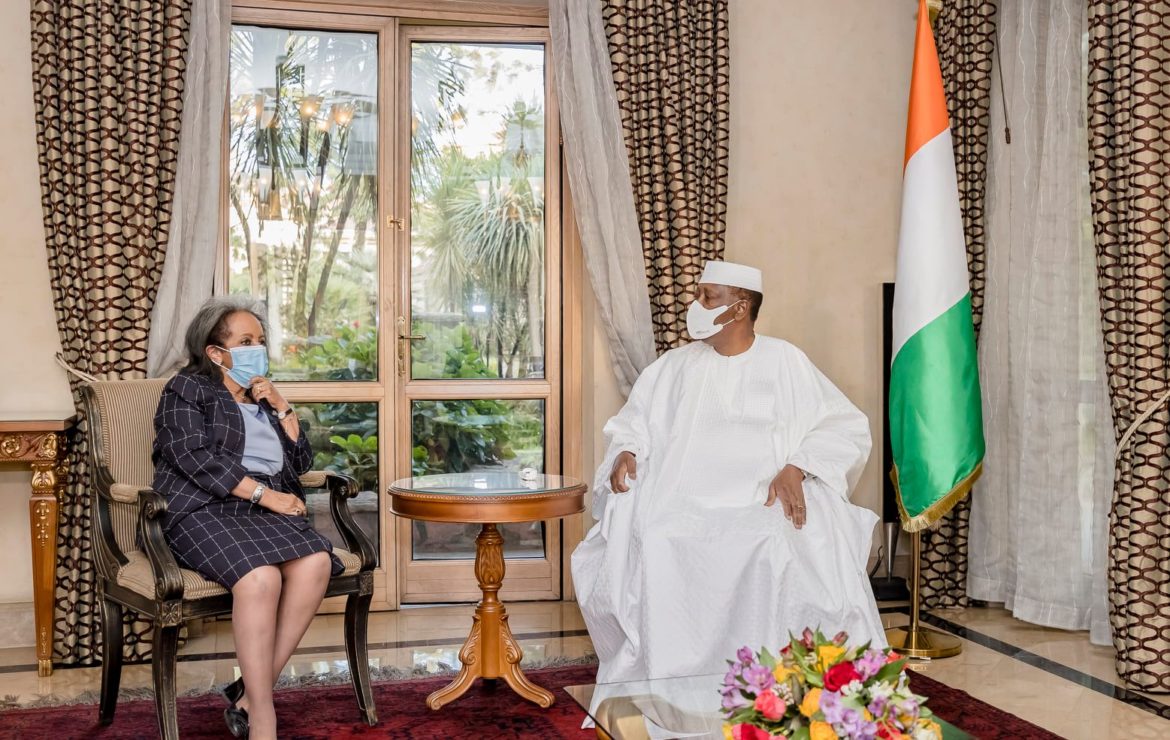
x: 74, y: 371
x: 1137, y: 424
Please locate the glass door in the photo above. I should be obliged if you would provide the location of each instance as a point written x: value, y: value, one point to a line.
x: 477, y: 345
x: 307, y: 156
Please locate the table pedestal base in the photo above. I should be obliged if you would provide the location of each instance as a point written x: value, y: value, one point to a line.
x: 490, y: 651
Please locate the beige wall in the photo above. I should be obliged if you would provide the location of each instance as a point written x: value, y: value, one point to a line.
x: 818, y: 115
x: 818, y: 111
x: 30, y: 382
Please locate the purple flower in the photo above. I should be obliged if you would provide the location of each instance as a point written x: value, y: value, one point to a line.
x: 758, y: 677
x: 734, y: 699
x: 831, y: 706
x: 731, y: 677
x: 910, y: 708
x: 853, y: 725
x: 877, y: 707
x: 870, y: 663
x: 745, y: 654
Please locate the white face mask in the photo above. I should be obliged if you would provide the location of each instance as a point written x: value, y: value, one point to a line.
x: 701, y: 320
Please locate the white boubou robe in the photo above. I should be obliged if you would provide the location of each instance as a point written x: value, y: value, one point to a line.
x: 690, y: 565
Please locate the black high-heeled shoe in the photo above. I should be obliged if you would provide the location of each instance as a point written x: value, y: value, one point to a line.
x: 235, y: 718
x: 234, y: 691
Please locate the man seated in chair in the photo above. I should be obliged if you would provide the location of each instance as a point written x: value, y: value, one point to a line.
x: 722, y: 501
x: 228, y: 451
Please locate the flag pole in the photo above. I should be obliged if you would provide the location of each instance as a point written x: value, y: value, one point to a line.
x: 914, y: 640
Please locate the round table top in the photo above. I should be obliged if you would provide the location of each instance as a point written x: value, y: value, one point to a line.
x: 489, y: 497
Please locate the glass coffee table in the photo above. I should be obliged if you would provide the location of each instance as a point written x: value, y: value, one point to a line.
x: 488, y: 499
x: 686, y: 707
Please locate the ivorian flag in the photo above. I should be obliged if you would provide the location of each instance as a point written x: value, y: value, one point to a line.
x: 936, y: 417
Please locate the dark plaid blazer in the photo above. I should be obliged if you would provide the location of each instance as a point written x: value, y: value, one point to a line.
x: 199, y: 445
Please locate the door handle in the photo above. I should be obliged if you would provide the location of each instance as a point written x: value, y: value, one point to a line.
x: 404, y: 340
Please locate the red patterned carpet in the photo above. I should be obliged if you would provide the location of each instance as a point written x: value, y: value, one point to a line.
x: 482, y: 713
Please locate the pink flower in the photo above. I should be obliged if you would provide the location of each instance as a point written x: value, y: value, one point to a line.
x: 807, y: 638
x: 840, y: 638
x: 749, y: 732
x: 770, y: 705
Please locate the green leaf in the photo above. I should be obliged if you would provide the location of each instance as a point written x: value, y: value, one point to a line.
x: 890, y: 671
x: 767, y: 658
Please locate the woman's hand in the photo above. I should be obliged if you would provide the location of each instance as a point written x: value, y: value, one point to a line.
x: 283, y: 503
x: 262, y: 389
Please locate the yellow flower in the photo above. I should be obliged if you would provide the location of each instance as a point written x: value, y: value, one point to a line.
x: 821, y: 731
x: 934, y: 728
x: 727, y: 733
x: 868, y: 716
x: 811, y: 703
x: 781, y: 673
x: 827, y: 655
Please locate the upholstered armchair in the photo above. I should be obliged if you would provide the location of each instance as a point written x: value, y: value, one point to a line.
x: 136, y: 569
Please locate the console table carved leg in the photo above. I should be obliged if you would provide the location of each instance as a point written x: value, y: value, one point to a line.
x: 42, y: 514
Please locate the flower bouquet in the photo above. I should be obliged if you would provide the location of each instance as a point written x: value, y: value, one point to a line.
x: 819, y: 689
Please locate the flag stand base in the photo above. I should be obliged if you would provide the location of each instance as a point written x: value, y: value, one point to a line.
x: 923, y: 643
x: 914, y: 640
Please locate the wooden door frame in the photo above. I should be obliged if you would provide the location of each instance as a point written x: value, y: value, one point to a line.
x: 385, y: 17
x: 526, y: 576
x: 386, y: 28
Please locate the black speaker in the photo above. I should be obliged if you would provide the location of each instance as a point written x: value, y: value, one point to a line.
x: 889, y: 497
x: 888, y: 587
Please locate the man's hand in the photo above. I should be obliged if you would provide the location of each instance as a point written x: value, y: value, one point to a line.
x: 788, y: 489
x: 625, y: 465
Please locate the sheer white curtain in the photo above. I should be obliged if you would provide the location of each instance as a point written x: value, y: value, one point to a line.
x: 1040, y: 511
x: 189, y: 269
x: 599, y: 175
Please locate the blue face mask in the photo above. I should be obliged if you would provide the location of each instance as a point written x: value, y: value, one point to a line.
x: 247, y: 363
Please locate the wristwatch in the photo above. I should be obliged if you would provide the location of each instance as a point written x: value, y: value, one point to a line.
x: 258, y: 493
x: 281, y: 414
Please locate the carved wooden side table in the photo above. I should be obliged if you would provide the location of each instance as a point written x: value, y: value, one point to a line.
x: 40, y: 444
x: 488, y: 499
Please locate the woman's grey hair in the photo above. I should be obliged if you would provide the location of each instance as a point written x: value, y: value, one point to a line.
x: 210, y: 328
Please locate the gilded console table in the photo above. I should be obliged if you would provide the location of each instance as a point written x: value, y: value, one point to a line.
x: 40, y: 444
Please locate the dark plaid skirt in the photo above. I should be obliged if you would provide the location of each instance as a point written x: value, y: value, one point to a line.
x: 226, y: 539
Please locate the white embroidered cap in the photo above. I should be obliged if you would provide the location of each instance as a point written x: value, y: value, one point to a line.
x: 733, y: 275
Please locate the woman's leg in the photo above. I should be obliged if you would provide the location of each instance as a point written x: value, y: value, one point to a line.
x: 256, y: 597
x: 305, y: 581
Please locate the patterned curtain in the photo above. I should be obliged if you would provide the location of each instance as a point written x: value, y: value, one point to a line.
x: 671, y: 70
x: 108, y: 90
x: 965, y: 35
x: 1129, y: 127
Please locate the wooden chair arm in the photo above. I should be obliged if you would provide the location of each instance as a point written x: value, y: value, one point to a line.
x: 342, y: 488
x: 168, y: 581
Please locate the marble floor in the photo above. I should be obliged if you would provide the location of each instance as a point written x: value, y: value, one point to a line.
x: 1054, y: 679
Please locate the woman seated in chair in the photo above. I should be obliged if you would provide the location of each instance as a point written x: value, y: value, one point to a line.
x: 228, y: 451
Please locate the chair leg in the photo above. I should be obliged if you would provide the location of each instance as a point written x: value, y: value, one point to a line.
x: 112, y: 639
x: 165, y: 648
x: 357, y: 617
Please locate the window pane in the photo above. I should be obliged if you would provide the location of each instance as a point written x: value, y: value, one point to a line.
x: 468, y: 436
x: 303, y: 190
x: 344, y: 437
x: 477, y: 210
